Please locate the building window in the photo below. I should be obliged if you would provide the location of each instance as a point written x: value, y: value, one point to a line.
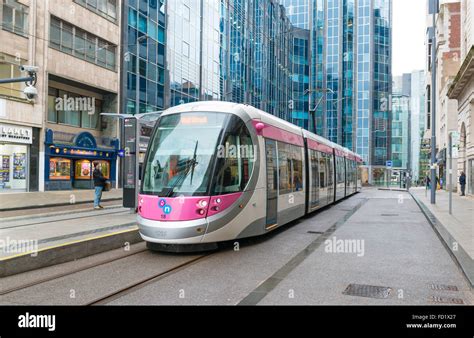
x: 10, y: 68
x: 186, y: 13
x: 105, y: 8
x: 59, y: 169
x: 75, y: 41
x: 185, y: 49
x: 14, y: 17
x: 61, y: 111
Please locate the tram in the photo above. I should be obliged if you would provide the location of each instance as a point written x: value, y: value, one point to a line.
x: 219, y: 171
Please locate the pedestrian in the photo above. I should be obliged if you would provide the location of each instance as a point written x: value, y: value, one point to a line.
x: 99, y: 183
x: 428, y: 180
x: 462, y: 182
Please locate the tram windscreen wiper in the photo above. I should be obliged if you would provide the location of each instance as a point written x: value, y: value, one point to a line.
x: 190, y: 164
x: 194, y: 161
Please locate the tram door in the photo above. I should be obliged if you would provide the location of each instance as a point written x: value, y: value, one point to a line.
x: 272, y: 183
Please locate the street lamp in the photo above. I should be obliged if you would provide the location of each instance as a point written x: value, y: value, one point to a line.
x: 433, y: 9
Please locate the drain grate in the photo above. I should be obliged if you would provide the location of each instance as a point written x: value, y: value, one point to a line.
x: 315, y: 232
x: 442, y: 287
x: 370, y: 291
x: 390, y: 215
x: 444, y: 300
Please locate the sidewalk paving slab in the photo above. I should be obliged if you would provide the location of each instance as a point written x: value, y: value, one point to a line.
x: 456, y: 230
x: 38, y: 199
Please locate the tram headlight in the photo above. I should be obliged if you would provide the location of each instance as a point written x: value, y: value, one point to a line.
x: 202, y: 203
x: 201, y: 212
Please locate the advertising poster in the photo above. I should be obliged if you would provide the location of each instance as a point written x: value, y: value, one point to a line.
x: 5, y: 169
x: 19, y: 166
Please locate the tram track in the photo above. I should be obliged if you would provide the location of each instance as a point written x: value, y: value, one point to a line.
x: 68, y: 273
x: 103, y: 300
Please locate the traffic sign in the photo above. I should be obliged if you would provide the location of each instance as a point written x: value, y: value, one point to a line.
x: 388, y: 164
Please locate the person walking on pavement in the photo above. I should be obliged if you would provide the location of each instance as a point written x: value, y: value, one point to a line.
x: 462, y: 182
x: 428, y: 180
x: 99, y: 183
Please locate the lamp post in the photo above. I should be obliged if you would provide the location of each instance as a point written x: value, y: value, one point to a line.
x: 434, y: 9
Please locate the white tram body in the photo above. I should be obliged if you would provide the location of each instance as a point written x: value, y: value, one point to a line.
x: 218, y: 171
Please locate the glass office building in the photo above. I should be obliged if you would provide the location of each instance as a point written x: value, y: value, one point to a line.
x: 143, y: 71
x: 298, y: 12
x: 400, y: 131
x: 350, y: 74
x: 233, y: 50
x: 287, y: 57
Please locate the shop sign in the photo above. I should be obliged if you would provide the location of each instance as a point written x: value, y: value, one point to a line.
x: 16, y: 134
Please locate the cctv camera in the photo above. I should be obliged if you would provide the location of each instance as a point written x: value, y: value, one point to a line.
x: 30, y: 92
x: 29, y: 69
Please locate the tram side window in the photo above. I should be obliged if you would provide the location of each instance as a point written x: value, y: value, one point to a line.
x: 330, y: 173
x: 290, y: 166
x: 314, y: 168
x: 235, y: 166
x: 322, y: 170
x: 297, y: 168
x: 284, y: 168
x: 348, y: 172
x: 340, y: 169
x: 314, y: 177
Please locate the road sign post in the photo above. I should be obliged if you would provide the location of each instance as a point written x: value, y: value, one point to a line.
x: 388, y: 165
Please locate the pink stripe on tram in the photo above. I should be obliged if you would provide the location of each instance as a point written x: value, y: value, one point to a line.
x: 278, y: 134
x: 312, y: 144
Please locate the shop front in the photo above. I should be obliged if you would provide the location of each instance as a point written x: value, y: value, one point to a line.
x: 70, y: 165
x: 15, y: 152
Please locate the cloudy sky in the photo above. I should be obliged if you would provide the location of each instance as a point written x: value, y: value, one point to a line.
x: 409, y: 19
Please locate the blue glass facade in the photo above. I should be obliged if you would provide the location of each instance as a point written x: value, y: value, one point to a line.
x: 318, y: 56
x: 298, y: 12
x: 364, y: 61
x: 286, y: 57
x: 400, y: 131
x: 143, y: 33
x: 350, y: 71
x: 381, y: 82
x: 333, y: 68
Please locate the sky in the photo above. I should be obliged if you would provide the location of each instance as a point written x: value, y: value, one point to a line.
x: 409, y: 20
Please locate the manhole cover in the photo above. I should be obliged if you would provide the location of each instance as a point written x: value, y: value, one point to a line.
x: 370, y: 291
x: 445, y: 300
x: 389, y: 215
x: 315, y: 232
x: 442, y: 287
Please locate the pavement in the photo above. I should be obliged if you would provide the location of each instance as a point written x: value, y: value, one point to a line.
x: 456, y: 230
x: 37, y: 199
x: 39, y: 229
x: 460, y: 224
